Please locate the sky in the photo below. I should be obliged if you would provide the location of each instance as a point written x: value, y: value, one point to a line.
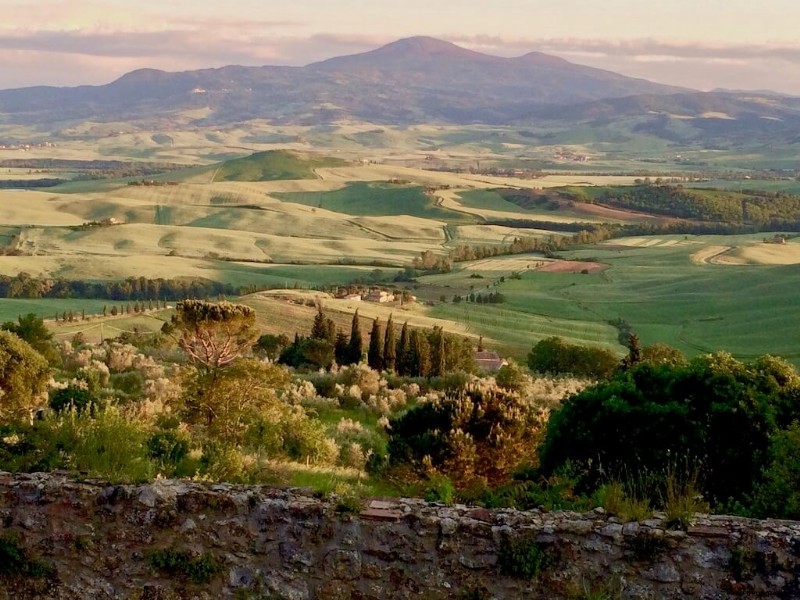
x: 702, y: 44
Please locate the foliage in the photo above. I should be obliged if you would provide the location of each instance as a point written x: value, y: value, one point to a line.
x: 71, y: 396
x: 16, y: 562
x: 271, y: 346
x: 108, y: 445
x: 226, y: 402
x: 682, y: 499
x: 310, y: 352
x: 662, y: 354
x: 480, y: 434
x: 133, y: 288
x: 31, y: 328
x: 182, y: 564
x: 714, y: 413
x: 375, y: 349
x: 214, y: 334
x: 553, y: 355
x: 778, y: 495
x: 523, y: 557
x: 23, y: 377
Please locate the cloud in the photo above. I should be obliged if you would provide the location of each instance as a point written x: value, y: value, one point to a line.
x: 636, y: 48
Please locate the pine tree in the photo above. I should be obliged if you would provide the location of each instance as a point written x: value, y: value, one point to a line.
x: 375, y: 352
x: 402, y: 352
x: 356, y: 348
x: 389, y: 346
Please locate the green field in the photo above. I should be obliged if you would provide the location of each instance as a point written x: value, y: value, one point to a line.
x: 377, y: 200
x: 46, y: 308
x: 747, y: 310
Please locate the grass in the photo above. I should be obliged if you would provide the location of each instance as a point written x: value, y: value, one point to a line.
x: 274, y: 165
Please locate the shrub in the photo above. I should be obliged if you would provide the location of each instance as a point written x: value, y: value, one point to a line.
x: 481, y: 434
x: 184, y: 565
x: 71, y: 396
x: 523, y: 557
x: 110, y: 446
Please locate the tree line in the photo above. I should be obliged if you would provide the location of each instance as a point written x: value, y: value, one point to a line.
x: 411, y: 352
x: 24, y: 285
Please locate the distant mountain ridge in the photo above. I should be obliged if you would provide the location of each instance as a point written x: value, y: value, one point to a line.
x: 412, y: 80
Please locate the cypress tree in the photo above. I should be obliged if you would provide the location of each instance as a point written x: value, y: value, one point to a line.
x: 419, y: 355
x: 402, y: 351
x: 330, y: 331
x: 341, y: 348
x: 375, y: 352
x: 389, y: 346
x: 438, y: 358
x: 356, y: 343
x: 319, y: 330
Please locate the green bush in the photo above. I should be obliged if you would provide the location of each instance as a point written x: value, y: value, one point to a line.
x: 714, y: 413
x: 779, y: 493
x: 72, y: 396
x: 110, y: 446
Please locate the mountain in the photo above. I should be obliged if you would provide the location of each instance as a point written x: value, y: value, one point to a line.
x: 412, y: 80
x: 729, y: 117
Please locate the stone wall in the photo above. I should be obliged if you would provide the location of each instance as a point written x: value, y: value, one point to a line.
x: 68, y: 540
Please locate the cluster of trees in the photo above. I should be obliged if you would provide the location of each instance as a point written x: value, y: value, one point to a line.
x: 24, y: 285
x: 755, y: 208
x: 412, y: 352
x: 554, y: 355
x: 732, y: 425
x: 479, y: 298
x: 92, y: 169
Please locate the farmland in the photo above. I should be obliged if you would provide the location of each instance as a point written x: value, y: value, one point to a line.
x: 291, y: 216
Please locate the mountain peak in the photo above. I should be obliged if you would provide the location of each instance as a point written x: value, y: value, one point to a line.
x: 423, y: 46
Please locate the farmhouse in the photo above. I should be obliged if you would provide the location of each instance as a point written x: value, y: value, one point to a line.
x: 489, y: 361
x: 378, y: 296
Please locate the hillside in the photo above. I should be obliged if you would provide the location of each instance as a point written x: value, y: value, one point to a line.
x: 274, y: 165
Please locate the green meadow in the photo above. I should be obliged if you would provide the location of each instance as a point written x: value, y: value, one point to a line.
x: 747, y: 310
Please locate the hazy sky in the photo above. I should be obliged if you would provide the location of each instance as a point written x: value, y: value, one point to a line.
x: 696, y: 43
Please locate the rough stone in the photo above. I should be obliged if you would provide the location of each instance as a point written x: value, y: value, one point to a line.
x: 272, y: 542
